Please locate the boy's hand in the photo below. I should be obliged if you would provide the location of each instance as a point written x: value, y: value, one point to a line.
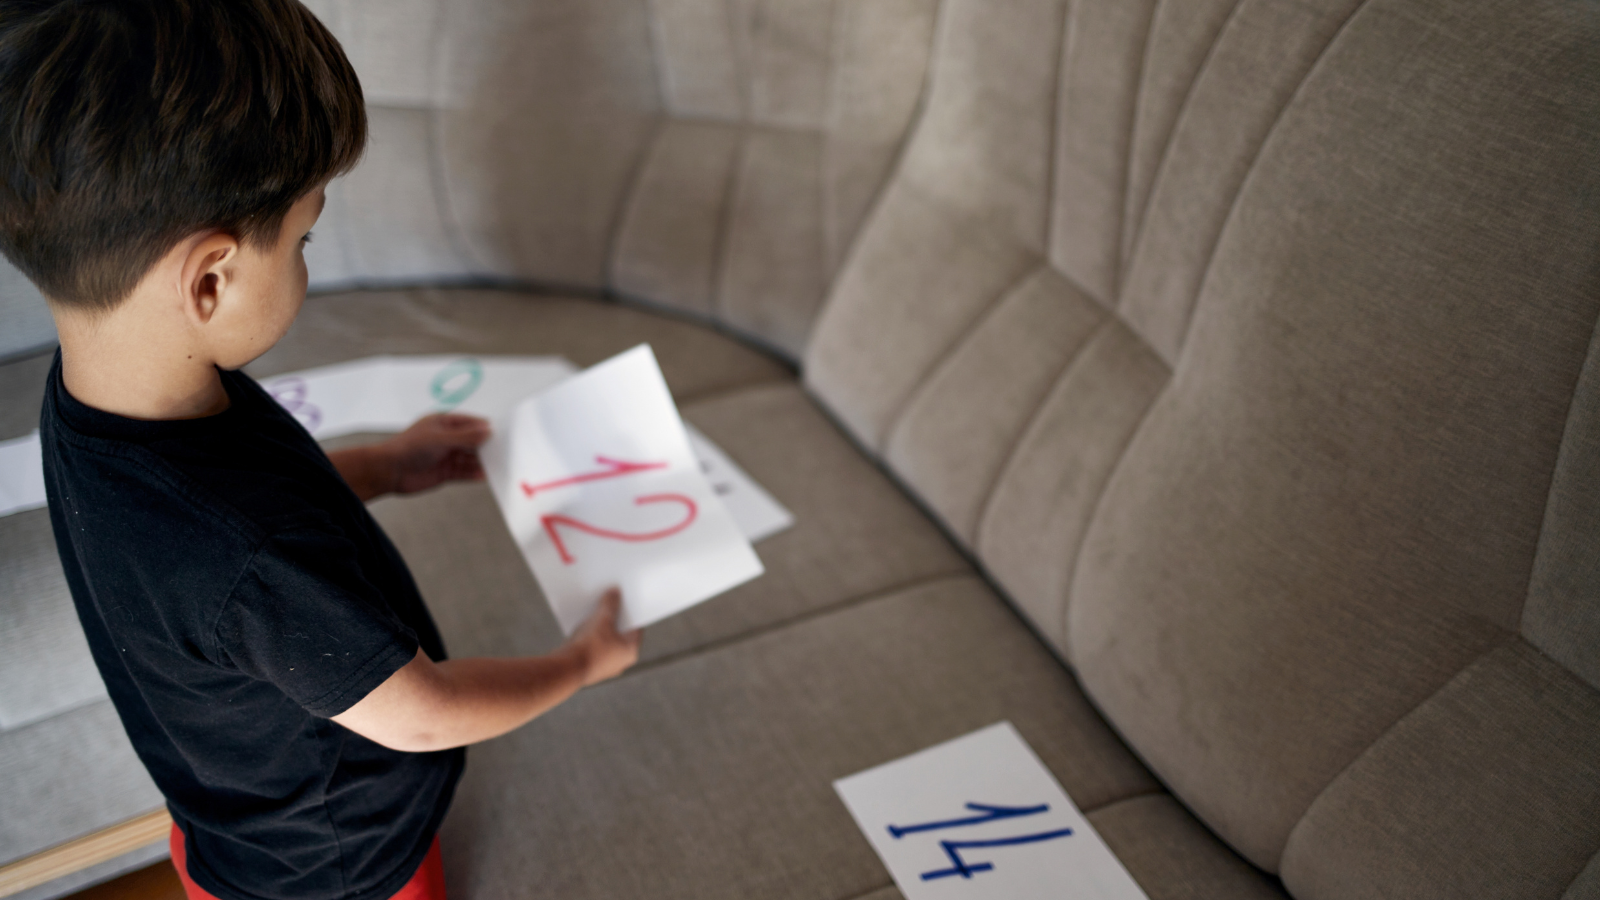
x: 437, y: 448
x: 603, y: 651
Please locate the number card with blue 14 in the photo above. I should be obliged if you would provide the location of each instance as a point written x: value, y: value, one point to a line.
x: 981, y: 817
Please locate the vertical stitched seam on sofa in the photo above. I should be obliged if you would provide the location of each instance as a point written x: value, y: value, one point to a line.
x: 1051, y: 165
x: 901, y: 150
x: 1111, y: 475
x: 658, y: 58
x: 630, y: 196
x: 908, y: 139
x: 1133, y: 143
x: 1032, y: 425
x: 893, y: 420
x: 1121, y: 210
x: 1250, y: 170
x: 1508, y: 639
x: 742, y: 68
x: 945, y: 359
x: 963, y: 334
x: 448, y: 221
x: 658, y: 130
x: 717, y: 270
x: 1166, y: 148
x: 825, y: 197
x: 824, y: 271
x: 1591, y: 356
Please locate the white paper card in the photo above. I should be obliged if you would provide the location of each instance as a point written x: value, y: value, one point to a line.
x: 388, y: 393
x: 981, y: 817
x: 758, y: 515
x: 598, y: 485
x: 21, y: 475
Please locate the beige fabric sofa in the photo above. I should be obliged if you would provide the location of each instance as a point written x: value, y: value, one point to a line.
x: 1209, y: 388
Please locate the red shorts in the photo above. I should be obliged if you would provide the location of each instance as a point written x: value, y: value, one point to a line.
x: 427, y: 884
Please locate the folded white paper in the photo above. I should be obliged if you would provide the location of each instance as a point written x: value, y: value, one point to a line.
x: 21, y: 475
x: 981, y: 817
x: 597, y: 482
x: 388, y: 393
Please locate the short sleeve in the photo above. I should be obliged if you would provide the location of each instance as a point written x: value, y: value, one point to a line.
x: 304, y: 618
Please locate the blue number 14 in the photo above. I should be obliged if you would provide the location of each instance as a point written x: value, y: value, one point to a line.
x: 988, y: 813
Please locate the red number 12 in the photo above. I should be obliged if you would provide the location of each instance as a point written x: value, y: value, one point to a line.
x: 610, y: 468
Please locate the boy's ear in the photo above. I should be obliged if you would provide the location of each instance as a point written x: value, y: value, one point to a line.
x: 209, y: 270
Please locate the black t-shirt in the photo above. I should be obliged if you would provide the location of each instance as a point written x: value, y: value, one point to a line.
x: 235, y: 594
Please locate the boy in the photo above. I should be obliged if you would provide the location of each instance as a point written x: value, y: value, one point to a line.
x: 161, y: 165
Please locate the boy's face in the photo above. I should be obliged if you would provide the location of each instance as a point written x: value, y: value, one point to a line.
x: 271, y: 286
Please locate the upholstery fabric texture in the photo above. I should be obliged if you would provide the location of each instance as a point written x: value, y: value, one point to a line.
x: 715, y: 156
x: 1249, y: 347
x: 738, y: 747
x: 1275, y: 417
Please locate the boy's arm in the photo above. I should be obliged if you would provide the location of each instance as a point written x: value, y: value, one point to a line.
x: 437, y: 448
x: 435, y: 706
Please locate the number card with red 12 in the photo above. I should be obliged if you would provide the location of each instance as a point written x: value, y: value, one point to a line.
x: 599, y: 486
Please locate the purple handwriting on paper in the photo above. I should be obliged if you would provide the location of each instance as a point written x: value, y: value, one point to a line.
x: 291, y: 394
x: 952, y: 849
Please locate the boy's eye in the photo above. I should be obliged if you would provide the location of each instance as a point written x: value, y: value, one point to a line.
x: 306, y: 239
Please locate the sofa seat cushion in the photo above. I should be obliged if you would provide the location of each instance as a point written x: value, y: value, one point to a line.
x: 711, y: 775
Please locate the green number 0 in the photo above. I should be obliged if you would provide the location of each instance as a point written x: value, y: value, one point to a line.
x: 456, y: 382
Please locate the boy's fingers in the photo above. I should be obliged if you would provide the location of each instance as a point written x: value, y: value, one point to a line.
x: 464, y: 422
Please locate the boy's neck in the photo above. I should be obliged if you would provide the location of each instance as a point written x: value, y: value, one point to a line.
x: 134, y: 364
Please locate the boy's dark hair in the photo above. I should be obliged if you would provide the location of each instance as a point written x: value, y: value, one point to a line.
x: 127, y: 125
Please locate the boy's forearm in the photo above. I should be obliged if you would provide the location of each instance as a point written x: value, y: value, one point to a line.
x: 430, y: 706
x: 490, y: 697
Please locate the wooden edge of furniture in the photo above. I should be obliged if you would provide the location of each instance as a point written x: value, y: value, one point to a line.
x: 89, y: 850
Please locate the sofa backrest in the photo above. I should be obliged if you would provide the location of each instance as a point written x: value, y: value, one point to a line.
x: 714, y: 156
x: 1250, y: 345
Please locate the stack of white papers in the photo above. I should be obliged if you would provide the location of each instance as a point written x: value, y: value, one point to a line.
x: 388, y: 393
x: 600, y: 488
x: 598, y: 479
